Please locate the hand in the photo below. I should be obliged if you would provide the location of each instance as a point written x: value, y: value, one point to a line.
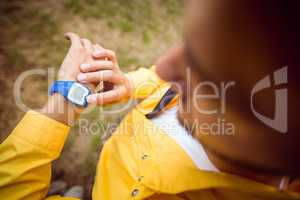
x: 104, y: 68
x: 57, y: 107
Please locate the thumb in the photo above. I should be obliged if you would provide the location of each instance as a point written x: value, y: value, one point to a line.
x: 75, y: 40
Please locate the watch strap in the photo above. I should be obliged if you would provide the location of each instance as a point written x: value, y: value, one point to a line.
x: 61, y: 87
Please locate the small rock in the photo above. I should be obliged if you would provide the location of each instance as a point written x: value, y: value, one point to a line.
x: 75, y: 192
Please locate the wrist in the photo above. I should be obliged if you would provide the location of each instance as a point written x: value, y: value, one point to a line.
x: 62, y: 76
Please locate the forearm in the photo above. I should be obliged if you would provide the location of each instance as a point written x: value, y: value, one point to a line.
x: 59, y: 109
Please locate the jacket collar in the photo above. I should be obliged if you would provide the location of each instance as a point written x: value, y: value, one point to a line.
x: 162, y: 98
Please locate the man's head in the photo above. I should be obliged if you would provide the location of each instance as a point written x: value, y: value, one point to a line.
x: 229, y: 47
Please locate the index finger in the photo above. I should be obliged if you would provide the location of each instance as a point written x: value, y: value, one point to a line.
x: 105, y: 53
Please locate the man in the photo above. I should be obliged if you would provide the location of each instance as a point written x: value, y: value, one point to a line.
x: 236, y: 43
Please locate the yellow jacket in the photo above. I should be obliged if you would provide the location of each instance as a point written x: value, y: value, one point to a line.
x: 136, y: 162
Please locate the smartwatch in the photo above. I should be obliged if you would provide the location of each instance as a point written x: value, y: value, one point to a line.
x: 73, y: 91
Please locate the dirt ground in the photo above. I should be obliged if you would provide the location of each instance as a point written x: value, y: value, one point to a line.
x: 32, y: 37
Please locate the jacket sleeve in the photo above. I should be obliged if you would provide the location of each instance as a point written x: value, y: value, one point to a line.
x: 144, y: 81
x: 26, y: 156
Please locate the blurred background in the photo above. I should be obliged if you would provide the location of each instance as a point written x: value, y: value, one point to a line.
x: 32, y: 37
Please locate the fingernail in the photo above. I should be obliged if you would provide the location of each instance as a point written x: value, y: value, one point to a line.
x: 85, y: 66
x: 98, y: 53
x: 82, y: 77
x: 91, y: 99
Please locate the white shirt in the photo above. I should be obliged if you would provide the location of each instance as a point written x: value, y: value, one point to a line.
x: 170, y: 125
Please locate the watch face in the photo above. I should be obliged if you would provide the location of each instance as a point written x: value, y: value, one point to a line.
x: 78, y: 94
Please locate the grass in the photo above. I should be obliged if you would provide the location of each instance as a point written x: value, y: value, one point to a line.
x: 139, y: 31
x: 127, y: 15
x: 40, y: 39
